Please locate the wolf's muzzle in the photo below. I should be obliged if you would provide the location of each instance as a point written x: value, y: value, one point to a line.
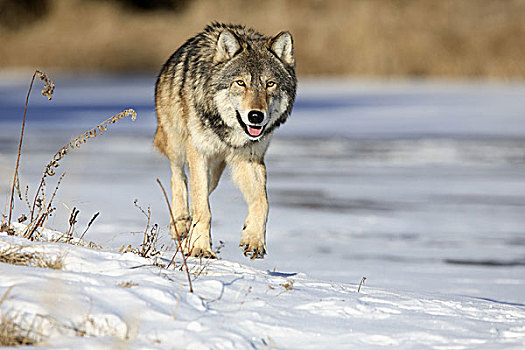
x: 254, y: 131
x: 255, y: 117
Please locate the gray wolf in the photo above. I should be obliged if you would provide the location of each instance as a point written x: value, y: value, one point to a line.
x: 219, y: 98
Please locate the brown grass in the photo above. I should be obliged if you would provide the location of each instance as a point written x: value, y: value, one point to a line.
x: 148, y: 248
x: 12, y: 334
x: 127, y: 284
x: 468, y: 38
x: 20, y: 255
x: 42, y: 210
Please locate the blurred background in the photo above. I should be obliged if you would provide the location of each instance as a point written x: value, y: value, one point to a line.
x: 445, y: 38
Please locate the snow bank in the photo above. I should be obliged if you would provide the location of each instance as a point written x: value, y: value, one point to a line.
x: 105, y: 299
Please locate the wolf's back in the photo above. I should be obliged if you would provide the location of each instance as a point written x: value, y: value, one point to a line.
x: 172, y: 93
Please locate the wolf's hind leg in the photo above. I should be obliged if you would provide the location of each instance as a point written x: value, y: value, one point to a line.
x: 198, y: 242
x: 179, y: 198
x: 214, y: 173
x: 251, y: 179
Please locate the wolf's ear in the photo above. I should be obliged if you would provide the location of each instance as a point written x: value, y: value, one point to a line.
x: 227, y: 46
x: 282, y: 46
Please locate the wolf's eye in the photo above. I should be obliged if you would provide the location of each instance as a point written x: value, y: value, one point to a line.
x: 240, y: 82
x: 270, y: 84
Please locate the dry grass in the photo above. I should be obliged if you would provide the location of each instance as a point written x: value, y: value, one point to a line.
x: 42, y: 207
x: 21, y: 255
x: 42, y: 210
x: 127, y: 284
x: 11, y: 332
x: 381, y: 37
x: 148, y: 248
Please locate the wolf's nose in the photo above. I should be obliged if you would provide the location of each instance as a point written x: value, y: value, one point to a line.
x: 255, y: 117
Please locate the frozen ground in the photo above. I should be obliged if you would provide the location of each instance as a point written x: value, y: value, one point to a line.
x: 420, y: 187
x: 108, y: 300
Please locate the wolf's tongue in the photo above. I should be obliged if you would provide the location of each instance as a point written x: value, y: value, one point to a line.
x: 253, y: 131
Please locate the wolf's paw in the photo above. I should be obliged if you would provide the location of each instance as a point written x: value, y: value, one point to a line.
x: 182, y: 226
x: 253, y: 248
x: 197, y: 249
x: 205, y: 253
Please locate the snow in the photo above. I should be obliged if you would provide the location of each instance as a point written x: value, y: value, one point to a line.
x: 235, y: 306
x: 417, y: 186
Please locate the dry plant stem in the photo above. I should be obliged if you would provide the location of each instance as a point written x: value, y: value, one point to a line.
x: 173, y: 257
x: 15, y: 176
x: 4, y: 297
x: 72, y: 221
x: 89, y: 224
x: 39, y: 222
x: 49, y: 208
x: 42, y: 219
x: 178, y: 237
x: 146, y: 231
x: 360, y: 284
x: 147, y: 248
x: 26, y: 197
x: 91, y: 133
x: 49, y: 88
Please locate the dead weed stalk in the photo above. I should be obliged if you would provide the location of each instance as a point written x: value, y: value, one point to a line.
x: 148, y: 248
x: 49, y: 88
x: 41, y: 209
x: 361, y: 284
x: 40, y: 212
x: 178, y: 238
x: 93, y: 218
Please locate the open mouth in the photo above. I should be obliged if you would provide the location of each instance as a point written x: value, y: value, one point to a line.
x: 254, y: 131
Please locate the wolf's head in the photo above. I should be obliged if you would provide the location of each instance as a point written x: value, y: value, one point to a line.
x: 255, y: 83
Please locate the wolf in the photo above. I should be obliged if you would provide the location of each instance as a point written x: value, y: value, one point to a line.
x: 219, y: 98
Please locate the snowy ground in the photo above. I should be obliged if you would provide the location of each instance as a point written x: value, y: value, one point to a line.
x: 120, y: 300
x: 418, y: 186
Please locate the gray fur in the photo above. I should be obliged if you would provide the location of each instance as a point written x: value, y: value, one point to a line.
x: 222, y: 94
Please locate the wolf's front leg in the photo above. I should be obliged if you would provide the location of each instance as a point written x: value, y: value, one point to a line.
x: 179, y: 199
x: 251, y: 179
x: 198, y: 242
